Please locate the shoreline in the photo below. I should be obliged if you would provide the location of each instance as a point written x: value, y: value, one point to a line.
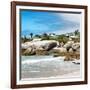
x: 28, y: 61
x: 54, y: 67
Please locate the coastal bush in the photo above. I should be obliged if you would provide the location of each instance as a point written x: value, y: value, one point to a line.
x: 62, y: 38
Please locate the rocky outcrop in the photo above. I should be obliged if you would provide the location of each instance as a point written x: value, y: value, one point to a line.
x: 68, y: 47
x: 76, y: 62
x: 38, y: 47
x: 71, y: 46
x: 70, y: 50
x: 72, y: 56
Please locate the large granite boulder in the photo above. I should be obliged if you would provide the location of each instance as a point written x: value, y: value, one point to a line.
x: 45, y: 44
x: 33, y: 46
x: 49, y: 46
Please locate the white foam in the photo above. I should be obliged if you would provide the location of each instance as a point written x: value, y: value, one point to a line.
x: 29, y: 61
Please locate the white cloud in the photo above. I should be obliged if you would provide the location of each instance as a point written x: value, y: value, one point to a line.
x: 71, y: 17
x: 63, y: 31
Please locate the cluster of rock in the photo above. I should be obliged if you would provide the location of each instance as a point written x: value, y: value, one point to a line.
x: 70, y: 49
x: 38, y: 47
x: 70, y: 46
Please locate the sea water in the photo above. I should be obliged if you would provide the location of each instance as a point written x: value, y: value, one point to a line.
x: 46, y: 67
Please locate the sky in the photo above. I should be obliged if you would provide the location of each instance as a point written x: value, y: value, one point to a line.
x: 38, y: 22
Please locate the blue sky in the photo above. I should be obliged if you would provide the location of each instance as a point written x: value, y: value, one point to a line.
x: 37, y: 22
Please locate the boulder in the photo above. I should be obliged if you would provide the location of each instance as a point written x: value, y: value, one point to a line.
x: 68, y: 58
x: 62, y: 50
x: 26, y: 45
x: 45, y: 44
x: 76, y: 47
x: 76, y: 62
x: 49, y: 46
x: 42, y: 46
x: 68, y: 45
x: 41, y: 52
x: 71, y: 50
x: 29, y: 51
x: 59, y: 49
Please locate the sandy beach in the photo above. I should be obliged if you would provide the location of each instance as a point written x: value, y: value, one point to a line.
x: 48, y: 67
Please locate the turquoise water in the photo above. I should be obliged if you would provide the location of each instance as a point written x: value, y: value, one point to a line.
x: 46, y: 66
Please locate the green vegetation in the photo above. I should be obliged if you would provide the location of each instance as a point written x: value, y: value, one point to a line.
x: 45, y: 36
x: 37, y: 36
x: 60, y: 38
x: 25, y: 39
